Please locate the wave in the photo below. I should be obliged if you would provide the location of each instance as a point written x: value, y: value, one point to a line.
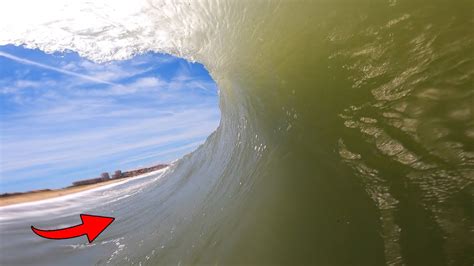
x: 345, y: 137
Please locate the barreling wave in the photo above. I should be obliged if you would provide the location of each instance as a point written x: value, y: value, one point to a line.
x: 346, y: 135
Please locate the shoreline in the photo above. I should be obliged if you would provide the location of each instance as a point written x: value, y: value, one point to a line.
x: 53, y: 193
x: 34, y: 196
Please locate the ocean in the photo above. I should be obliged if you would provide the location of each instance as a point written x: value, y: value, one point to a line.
x: 346, y: 135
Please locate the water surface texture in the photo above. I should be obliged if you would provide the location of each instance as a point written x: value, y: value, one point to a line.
x: 346, y: 135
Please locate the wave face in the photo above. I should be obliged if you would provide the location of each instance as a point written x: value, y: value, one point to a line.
x: 346, y: 135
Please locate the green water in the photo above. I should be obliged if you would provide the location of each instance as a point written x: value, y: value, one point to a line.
x: 366, y: 111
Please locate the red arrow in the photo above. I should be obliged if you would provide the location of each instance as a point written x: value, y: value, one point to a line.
x: 91, y: 226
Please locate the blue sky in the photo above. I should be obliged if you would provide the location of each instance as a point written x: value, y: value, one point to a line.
x: 65, y: 118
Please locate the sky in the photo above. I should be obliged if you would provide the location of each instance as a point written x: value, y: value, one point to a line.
x: 64, y: 118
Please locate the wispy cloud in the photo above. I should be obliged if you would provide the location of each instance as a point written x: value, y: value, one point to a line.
x: 77, y: 147
x: 75, y: 119
x: 56, y: 69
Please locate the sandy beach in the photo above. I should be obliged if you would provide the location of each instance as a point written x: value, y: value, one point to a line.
x: 53, y: 193
x: 41, y: 195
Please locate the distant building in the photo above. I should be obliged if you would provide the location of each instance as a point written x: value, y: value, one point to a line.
x: 88, y: 181
x: 143, y: 170
x: 117, y: 174
x: 105, y: 176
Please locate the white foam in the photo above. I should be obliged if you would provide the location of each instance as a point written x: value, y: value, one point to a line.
x: 64, y: 205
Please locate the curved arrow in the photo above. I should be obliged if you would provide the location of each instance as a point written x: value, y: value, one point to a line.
x: 91, y: 226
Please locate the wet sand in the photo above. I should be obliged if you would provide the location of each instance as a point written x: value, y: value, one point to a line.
x: 41, y: 195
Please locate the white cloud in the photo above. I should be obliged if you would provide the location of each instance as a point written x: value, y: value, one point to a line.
x: 56, y: 69
x: 90, y: 143
x: 67, y: 121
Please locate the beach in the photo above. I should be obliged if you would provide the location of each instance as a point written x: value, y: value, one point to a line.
x: 48, y: 194
x: 85, y: 185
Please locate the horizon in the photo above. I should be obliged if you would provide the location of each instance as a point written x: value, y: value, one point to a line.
x: 65, y: 118
x: 166, y: 164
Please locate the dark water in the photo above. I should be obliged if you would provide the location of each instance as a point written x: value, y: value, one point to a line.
x: 346, y: 136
